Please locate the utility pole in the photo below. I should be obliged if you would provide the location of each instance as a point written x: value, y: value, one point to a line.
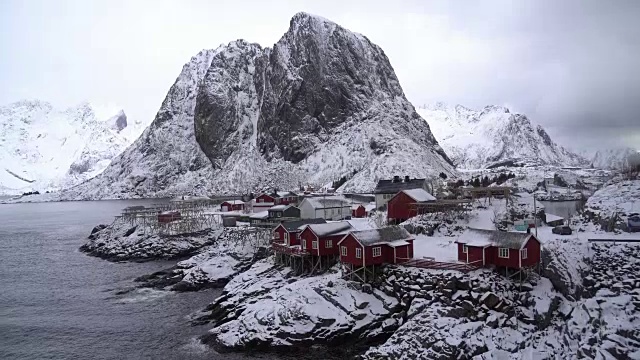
x: 535, y: 214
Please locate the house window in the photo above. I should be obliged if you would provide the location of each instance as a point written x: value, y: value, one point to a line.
x: 314, y: 244
x: 260, y: 200
x: 279, y: 214
x: 358, y: 253
x: 328, y: 244
x: 523, y: 253
x: 465, y: 249
x: 343, y: 250
x: 286, y: 237
x: 377, y: 251
x: 503, y: 253
x: 304, y: 244
x: 277, y: 235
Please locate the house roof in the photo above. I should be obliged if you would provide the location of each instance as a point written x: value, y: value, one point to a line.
x: 386, y: 235
x: 551, y: 217
x: 329, y: 202
x: 485, y: 238
x: 356, y: 206
x: 278, y: 207
x: 285, y: 193
x: 370, y: 207
x: 296, y: 225
x: 234, y: 202
x: 419, y: 195
x: 391, y: 187
x: 263, y: 204
x: 332, y: 228
x: 361, y: 224
x: 260, y: 215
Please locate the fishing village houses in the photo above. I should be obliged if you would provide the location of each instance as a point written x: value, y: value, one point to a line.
x: 313, y: 232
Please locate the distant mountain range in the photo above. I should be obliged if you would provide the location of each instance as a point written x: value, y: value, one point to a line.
x: 613, y: 159
x: 492, y: 136
x: 323, y: 103
x: 45, y: 148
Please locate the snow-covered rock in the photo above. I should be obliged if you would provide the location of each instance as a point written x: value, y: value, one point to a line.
x: 323, y: 103
x: 476, y: 139
x: 610, y: 207
x: 265, y: 307
x: 121, y: 241
x: 45, y: 148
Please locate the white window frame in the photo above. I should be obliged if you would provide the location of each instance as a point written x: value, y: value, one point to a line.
x: 279, y: 214
x: 501, y: 251
x: 314, y: 244
x: 465, y: 249
x: 358, y: 253
x: 304, y: 244
x: 328, y: 244
x: 343, y: 250
x: 286, y: 237
x: 277, y: 236
x: 523, y: 254
x: 377, y: 251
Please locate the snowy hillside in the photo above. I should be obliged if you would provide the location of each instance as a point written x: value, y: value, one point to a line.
x: 613, y: 159
x: 323, y: 103
x: 478, y: 139
x: 44, y: 148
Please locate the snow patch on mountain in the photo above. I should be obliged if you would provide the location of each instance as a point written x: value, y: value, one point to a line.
x: 477, y: 139
x: 46, y: 148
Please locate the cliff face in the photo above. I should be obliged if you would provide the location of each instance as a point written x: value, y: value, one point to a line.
x: 323, y: 103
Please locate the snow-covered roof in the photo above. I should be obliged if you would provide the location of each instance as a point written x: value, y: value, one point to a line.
x: 356, y: 206
x: 234, y: 202
x: 324, y: 203
x: 419, y: 195
x: 385, y: 235
x: 296, y: 225
x: 332, y: 228
x: 260, y: 215
x: 551, y: 217
x: 393, y: 187
x: 370, y: 207
x: 285, y: 193
x: 278, y: 207
x: 361, y: 224
x: 484, y: 238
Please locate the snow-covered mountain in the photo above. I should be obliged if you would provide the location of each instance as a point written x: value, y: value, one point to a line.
x: 323, y: 103
x: 612, y: 159
x: 477, y: 139
x: 44, y: 148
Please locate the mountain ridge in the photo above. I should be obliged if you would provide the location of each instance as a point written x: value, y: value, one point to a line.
x: 493, y: 135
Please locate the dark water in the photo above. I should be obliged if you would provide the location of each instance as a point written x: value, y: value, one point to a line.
x: 58, y: 303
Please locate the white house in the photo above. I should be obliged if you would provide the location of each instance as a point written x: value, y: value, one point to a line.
x: 328, y: 208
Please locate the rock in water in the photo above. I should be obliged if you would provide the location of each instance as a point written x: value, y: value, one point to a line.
x: 323, y: 103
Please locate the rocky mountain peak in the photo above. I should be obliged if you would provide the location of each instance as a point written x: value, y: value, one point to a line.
x: 322, y: 104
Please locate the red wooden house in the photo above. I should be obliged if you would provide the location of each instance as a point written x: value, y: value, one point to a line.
x: 322, y: 239
x: 400, y: 207
x: 288, y: 232
x: 486, y: 248
x: 285, y: 198
x: 388, y: 245
x: 232, y: 205
x: 266, y: 198
x: 358, y: 211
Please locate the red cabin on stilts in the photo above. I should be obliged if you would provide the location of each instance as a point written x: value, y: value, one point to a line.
x: 487, y: 248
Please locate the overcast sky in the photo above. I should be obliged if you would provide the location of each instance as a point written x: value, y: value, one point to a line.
x: 572, y: 66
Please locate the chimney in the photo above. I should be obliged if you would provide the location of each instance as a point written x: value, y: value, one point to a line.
x: 396, y: 178
x: 406, y: 178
